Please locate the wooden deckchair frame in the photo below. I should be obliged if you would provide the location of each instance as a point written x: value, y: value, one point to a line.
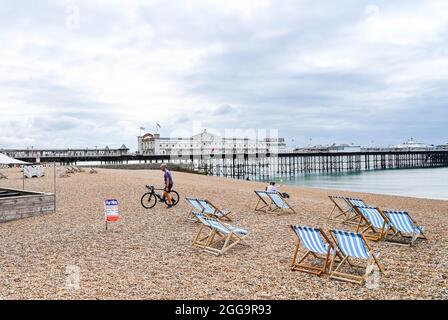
x: 335, y: 272
x: 366, y: 228
x: 343, y: 212
x: 274, y: 208
x: 262, y: 204
x: 412, y: 239
x: 300, y: 264
x: 201, y: 238
x: 213, y: 237
x: 350, y: 216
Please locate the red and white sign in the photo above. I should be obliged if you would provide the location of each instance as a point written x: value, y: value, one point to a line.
x: 111, y: 210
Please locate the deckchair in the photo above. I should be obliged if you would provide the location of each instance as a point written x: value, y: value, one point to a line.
x: 352, y: 246
x: 219, y: 237
x: 263, y: 201
x: 207, y: 208
x: 317, y: 244
x: 196, y: 207
x: 405, y: 227
x: 2, y: 176
x: 373, y: 223
x: 214, y: 211
x: 346, y: 207
x: 278, y: 204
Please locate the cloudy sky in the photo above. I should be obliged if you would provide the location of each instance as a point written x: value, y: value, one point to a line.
x: 80, y: 73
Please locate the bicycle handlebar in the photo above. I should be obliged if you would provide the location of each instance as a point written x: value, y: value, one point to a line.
x: 154, y: 188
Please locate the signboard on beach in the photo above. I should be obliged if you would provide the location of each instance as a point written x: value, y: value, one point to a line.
x: 111, y: 212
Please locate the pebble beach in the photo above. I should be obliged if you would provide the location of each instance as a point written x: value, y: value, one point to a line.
x: 147, y: 254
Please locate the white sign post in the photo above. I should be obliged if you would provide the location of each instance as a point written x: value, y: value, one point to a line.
x: 111, y: 213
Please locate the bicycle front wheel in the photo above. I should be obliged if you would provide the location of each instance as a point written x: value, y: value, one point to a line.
x: 148, y: 200
x: 174, y: 197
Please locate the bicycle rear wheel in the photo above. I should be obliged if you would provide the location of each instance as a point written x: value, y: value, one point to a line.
x: 148, y: 200
x: 174, y: 196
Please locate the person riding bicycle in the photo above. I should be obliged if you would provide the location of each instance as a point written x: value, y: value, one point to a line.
x: 168, y: 181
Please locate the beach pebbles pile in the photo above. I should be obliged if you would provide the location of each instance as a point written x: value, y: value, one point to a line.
x: 147, y: 254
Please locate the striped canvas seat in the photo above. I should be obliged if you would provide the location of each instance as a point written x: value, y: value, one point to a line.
x: 195, y: 204
x: 352, y: 245
x: 278, y: 204
x: 262, y: 194
x: 356, y: 202
x: 402, y: 222
x: 207, y: 208
x: 373, y: 216
x: 311, y: 239
x: 225, y: 228
x: 217, y: 237
x: 373, y: 223
x: 278, y: 200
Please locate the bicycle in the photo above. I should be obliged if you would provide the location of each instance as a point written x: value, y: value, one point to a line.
x: 149, y: 199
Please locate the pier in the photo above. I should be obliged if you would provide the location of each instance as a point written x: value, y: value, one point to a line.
x: 252, y: 165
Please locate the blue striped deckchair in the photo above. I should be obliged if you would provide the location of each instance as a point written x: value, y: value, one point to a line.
x: 406, y: 227
x: 220, y: 236
x: 356, y: 202
x: 352, y: 246
x: 196, y: 207
x: 373, y: 223
x: 278, y: 204
x: 213, y: 211
x: 263, y: 201
x: 317, y: 244
x: 346, y: 207
x: 207, y: 208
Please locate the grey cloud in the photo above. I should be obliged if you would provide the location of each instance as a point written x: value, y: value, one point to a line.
x: 260, y: 75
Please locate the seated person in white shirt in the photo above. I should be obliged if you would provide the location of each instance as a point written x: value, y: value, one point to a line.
x: 272, y: 187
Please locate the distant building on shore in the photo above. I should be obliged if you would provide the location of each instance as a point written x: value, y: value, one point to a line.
x: 207, y: 143
x: 42, y: 153
x: 443, y: 146
x: 413, y: 145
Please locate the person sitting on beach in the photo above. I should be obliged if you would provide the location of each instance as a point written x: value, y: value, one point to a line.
x: 272, y: 187
x: 168, y: 181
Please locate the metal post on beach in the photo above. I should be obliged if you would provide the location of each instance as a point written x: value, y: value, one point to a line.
x: 54, y: 184
x: 23, y: 177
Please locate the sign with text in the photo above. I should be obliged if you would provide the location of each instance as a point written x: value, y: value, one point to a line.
x: 111, y: 210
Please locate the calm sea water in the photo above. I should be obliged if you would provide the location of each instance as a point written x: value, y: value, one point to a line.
x: 422, y: 183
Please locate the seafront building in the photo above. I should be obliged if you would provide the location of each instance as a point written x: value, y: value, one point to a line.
x: 331, y: 148
x: 413, y: 145
x: 45, y: 153
x: 443, y: 146
x: 207, y: 143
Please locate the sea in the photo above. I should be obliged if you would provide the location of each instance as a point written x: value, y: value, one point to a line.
x: 430, y: 183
